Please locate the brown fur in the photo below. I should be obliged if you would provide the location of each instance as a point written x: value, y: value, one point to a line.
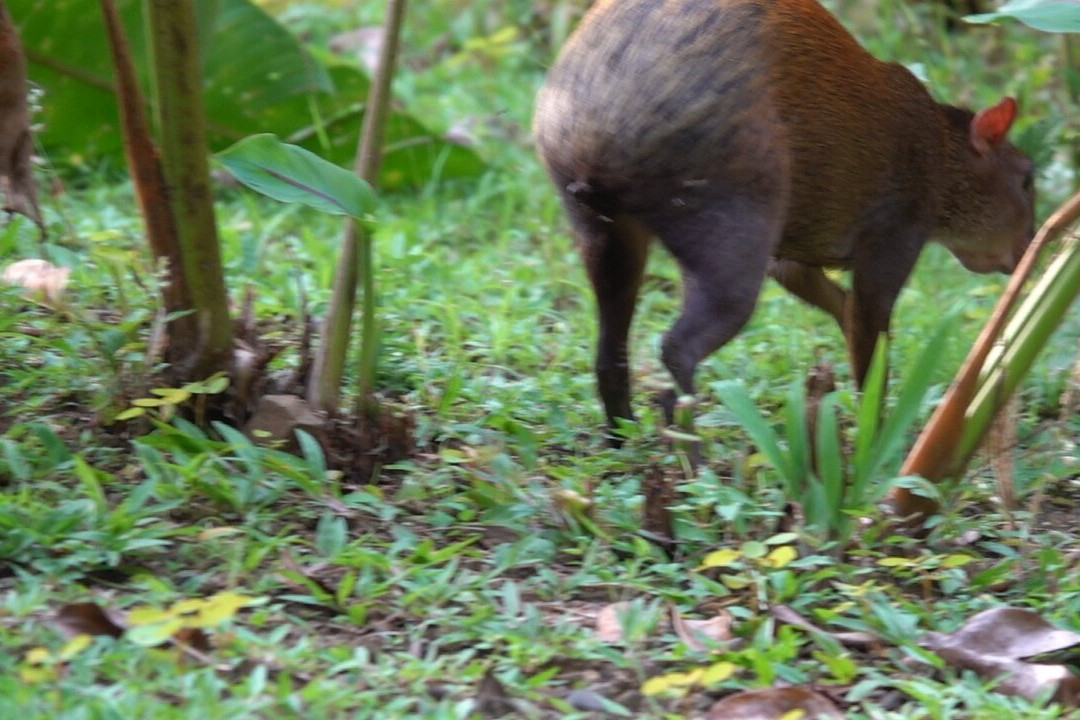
x: 754, y: 137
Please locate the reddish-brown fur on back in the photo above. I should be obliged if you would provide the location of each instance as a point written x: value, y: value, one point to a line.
x: 756, y: 136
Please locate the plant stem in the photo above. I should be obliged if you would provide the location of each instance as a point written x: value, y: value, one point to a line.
x: 181, y: 124
x: 356, y: 259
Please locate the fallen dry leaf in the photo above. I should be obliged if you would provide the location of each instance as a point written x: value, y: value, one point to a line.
x: 43, y: 280
x: 702, y: 635
x: 492, y: 700
x: 774, y: 704
x: 86, y: 618
x: 608, y: 626
x: 1001, y: 643
x: 192, y: 639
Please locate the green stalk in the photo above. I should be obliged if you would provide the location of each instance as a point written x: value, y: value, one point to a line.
x: 1004, y: 351
x: 369, y: 330
x: 1025, y: 335
x: 324, y: 386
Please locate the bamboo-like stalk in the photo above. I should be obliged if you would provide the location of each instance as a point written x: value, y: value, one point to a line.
x: 1002, y: 354
x: 324, y: 385
x: 146, y: 174
x: 182, y: 137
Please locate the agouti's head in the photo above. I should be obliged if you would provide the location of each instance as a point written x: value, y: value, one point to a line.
x: 990, y: 206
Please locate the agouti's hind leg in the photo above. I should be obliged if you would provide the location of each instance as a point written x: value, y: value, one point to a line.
x: 723, y: 251
x: 615, y: 251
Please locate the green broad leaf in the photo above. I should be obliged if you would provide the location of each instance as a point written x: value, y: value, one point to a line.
x: 735, y: 399
x: 1046, y: 15
x: 830, y: 461
x: 917, y: 381
x: 88, y: 477
x: 753, y: 549
x: 331, y: 535
x: 291, y: 174
x: 154, y: 634
x: 15, y: 461
x: 254, y: 71
x: 798, y: 436
x: 313, y: 454
x: 257, y: 77
x: 870, y: 407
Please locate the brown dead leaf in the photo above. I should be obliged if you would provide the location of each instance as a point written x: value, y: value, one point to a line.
x: 774, y: 704
x: 16, y: 143
x: 1016, y: 645
x: 277, y: 418
x: 86, y: 618
x: 608, y: 626
x: 1008, y: 632
x: 492, y: 700
x: 702, y: 635
x: 192, y: 639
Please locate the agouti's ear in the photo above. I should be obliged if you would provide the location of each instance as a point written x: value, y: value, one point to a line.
x: 989, y: 127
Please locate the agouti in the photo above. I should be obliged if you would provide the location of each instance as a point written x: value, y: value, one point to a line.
x: 754, y: 138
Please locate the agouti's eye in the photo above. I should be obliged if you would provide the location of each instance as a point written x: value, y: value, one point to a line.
x: 1029, y: 180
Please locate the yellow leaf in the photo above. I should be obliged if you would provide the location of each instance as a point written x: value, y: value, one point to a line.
x: 221, y: 607
x: 507, y: 35
x: 173, y: 396
x: 38, y: 656
x: 188, y: 607
x: 736, y: 582
x: 720, y: 558
x: 954, y: 561
x: 75, y: 645
x: 796, y: 714
x: 780, y: 557
x: 755, y: 461
x: 34, y: 675
x: 692, y: 677
x: 717, y: 673
x: 147, y: 616
x: 655, y: 685
x: 896, y: 562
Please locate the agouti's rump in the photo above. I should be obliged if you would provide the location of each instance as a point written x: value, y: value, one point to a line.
x: 755, y: 137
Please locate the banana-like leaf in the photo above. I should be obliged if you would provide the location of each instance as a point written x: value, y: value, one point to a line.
x: 1047, y: 15
x: 292, y: 174
x: 257, y: 78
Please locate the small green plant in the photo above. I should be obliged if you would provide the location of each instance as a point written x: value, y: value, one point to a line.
x: 833, y: 490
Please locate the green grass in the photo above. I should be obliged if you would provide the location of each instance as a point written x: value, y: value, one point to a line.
x: 394, y: 596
